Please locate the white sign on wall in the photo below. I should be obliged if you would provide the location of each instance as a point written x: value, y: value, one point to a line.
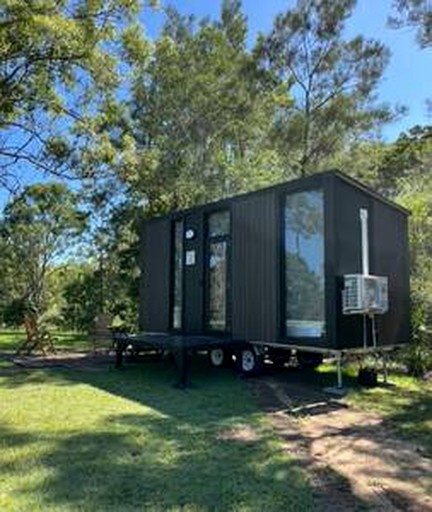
x: 190, y: 258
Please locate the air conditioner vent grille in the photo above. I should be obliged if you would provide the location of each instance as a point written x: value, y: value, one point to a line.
x: 365, y: 294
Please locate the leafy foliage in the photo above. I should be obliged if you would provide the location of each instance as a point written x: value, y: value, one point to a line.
x: 37, y: 227
x: 58, y: 65
x: 200, y: 115
x: 194, y: 116
x: 333, y: 81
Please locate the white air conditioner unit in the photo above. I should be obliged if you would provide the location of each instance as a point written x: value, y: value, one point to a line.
x: 365, y: 294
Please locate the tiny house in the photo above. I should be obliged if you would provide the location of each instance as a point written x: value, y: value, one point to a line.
x: 271, y: 269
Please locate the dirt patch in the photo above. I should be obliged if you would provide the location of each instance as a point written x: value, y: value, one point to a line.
x: 244, y: 434
x: 354, y: 460
x: 70, y: 360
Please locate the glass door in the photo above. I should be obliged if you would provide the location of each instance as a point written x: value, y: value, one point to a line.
x: 177, y: 276
x: 217, y: 271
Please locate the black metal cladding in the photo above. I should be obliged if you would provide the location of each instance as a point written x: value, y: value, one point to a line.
x: 255, y: 271
x: 388, y: 248
x: 155, y: 278
x: 257, y: 306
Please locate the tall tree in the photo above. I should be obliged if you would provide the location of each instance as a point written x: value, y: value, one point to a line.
x: 58, y: 67
x: 201, y: 113
x: 333, y: 80
x: 37, y: 227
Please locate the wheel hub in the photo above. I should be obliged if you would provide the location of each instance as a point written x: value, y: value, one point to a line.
x: 248, y: 360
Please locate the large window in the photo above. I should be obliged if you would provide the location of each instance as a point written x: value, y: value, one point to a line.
x: 304, y: 265
x: 218, y: 231
x: 177, y: 302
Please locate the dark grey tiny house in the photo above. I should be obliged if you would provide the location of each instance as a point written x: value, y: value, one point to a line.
x: 267, y: 267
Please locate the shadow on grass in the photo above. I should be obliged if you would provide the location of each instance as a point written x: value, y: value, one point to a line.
x: 170, y: 456
x: 155, y: 464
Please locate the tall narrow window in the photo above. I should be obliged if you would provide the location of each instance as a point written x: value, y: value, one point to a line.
x: 304, y: 265
x: 217, y: 270
x: 177, y: 303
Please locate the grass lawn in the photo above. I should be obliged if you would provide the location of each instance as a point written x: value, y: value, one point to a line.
x: 10, y: 341
x: 108, y: 439
x: 127, y: 440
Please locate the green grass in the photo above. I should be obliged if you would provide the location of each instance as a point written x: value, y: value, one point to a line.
x: 127, y: 440
x: 10, y: 341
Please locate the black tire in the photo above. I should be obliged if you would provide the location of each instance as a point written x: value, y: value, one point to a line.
x: 309, y: 360
x: 249, y: 363
x: 217, y: 357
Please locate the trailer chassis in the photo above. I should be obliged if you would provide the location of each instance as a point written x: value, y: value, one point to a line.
x: 181, y: 346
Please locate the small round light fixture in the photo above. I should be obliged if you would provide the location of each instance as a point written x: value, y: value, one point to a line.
x: 190, y: 234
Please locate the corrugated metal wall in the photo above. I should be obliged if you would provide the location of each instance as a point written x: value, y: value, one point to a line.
x: 390, y: 256
x: 155, y: 275
x: 255, y: 267
x: 388, y: 248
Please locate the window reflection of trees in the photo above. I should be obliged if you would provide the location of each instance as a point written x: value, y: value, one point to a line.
x: 217, y: 277
x: 304, y: 264
x: 178, y: 275
x: 218, y: 232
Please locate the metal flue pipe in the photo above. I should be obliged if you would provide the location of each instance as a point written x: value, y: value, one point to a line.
x: 364, y: 240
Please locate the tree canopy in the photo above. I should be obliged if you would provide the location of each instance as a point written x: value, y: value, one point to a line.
x: 36, y: 229
x: 417, y: 14
x: 333, y: 81
x: 58, y: 66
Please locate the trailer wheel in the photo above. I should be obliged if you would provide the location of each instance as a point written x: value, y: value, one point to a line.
x: 217, y: 357
x: 309, y: 360
x: 249, y: 362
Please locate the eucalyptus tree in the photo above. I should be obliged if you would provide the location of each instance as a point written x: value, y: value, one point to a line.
x: 333, y: 81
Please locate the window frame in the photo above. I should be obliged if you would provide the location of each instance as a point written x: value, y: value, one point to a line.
x: 299, y: 340
x: 208, y: 240
x: 175, y: 221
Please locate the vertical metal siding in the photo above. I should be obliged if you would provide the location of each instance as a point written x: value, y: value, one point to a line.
x: 390, y: 257
x: 348, y: 202
x: 330, y: 255
x: 155, y: 281
x: 388, y: 251
x: 255, y: 267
